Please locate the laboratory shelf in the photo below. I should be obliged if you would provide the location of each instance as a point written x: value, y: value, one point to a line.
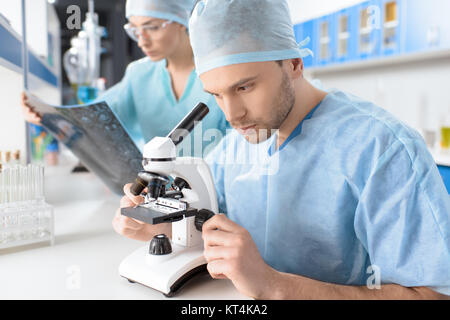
x: 11, y: 55
x: 380, y: 62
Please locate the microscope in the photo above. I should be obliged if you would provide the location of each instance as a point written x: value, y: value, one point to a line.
x: 167, y: 264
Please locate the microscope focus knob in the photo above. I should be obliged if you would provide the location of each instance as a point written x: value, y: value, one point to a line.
x: 202, y: 216
x: 160, y: 245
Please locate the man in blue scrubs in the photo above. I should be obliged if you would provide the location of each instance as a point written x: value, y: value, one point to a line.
x: 342, y: 201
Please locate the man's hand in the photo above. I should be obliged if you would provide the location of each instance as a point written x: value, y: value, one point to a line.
x: 231, y: 253
x: 132, y: 228
x: 28, y: 112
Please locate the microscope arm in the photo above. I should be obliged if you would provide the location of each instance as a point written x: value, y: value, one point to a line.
x: 198, y: 175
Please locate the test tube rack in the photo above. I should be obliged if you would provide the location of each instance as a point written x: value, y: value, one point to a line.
x: 25, y: 217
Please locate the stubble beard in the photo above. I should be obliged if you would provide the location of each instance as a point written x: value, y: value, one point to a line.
x: 282, y: 106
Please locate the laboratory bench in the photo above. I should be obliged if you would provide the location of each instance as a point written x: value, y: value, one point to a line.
x: 83, y: 262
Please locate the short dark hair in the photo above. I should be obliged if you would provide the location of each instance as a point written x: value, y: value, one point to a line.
x: 279, y: 62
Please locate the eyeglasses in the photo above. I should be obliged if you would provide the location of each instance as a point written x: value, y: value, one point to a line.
x: 153, y: 31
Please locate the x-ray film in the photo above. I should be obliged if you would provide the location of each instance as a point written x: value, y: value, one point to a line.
x: 95, y: 135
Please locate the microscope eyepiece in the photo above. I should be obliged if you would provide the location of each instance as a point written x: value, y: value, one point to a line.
x: 188, y: 123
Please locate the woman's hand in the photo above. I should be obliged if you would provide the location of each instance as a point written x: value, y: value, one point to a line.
x: 28, y: 111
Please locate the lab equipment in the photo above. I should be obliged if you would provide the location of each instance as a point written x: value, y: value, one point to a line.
x: 366, y: 191
x: 25, y: 217
x: 445, y: 132
x: 445, y: 138
x: 11, y: 158
x: 232, y: 32
x: 172, y: 10
x: 167, y: 265
x: 75, y: 62
x: 82, y: 60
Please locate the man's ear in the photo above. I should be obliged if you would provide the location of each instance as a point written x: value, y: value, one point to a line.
x: 182, y: 28
x: 295, y: 68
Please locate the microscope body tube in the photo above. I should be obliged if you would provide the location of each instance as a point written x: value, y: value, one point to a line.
x: 182, y: 130
x: 185, y: 127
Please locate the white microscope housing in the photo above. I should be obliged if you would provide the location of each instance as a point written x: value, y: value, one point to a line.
x: 169, y: 271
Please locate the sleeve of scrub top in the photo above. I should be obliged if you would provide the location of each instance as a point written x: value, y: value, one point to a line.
x: 216, y: 162
x: 120, y: 100
x: 403, y: 219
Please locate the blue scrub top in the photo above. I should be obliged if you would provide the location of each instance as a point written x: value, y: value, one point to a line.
x: 146, y: 105
x: 352, y: 187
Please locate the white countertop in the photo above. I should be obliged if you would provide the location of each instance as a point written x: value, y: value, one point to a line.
x: 441, y: 158
x: 83, y: 263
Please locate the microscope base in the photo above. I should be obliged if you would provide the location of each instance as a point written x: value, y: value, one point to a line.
x: 166, y: 273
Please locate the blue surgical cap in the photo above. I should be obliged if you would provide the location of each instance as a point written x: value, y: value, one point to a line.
x: 174, y: 10
x: 226, y: 32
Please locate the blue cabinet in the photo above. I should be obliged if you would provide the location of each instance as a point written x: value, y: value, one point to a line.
x: 303, y: 31
x: 392, y: 26
x: 445, y: 173
x: 369, y: 29
x: 377, y: 28
x: 326, y: 40
x: 346, y: 34
x: 427, y: 25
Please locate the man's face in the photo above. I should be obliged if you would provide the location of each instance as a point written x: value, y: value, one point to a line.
x: 256, y: 98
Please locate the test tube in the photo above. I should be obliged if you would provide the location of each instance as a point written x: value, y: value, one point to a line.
x: 16, y: 157
x: 29, y: 185
x: 40, y: 195
x: 33, y: 182
x: 5, y: 188
x: 15, y: 184
x: 7, y: 157
x: 2, y: 188
x: 10, y: 186
x: 24, y: 182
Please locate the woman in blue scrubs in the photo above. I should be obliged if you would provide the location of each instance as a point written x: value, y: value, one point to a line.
x: 159, y: 90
